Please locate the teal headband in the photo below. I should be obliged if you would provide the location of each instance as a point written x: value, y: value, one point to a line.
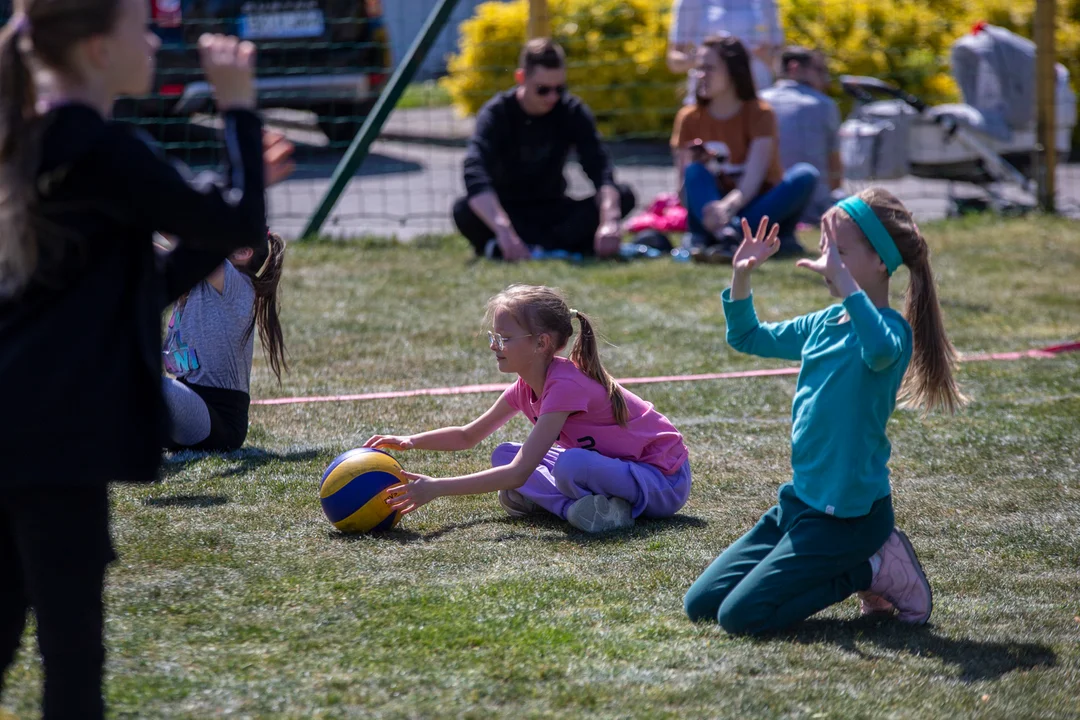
x: 874, y: 231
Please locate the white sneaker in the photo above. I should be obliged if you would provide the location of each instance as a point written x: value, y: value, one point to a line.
x: 515, y: 504
x: 596, y: 513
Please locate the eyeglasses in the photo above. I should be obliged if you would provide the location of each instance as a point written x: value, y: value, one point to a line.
x: 500, y: 342
x: 545, y: 90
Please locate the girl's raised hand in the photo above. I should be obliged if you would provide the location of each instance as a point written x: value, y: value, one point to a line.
x: 390, y: 442
x: 229, y: 64
x: 831, y: 266
x: 757, y: 247
x: 406, y: 497
x: 828, y: 264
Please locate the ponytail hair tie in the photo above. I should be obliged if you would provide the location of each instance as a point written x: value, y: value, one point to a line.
x: 269, y: 254
x: 573, y: 313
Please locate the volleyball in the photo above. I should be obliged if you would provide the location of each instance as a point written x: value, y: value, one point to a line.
x: 352, y: 491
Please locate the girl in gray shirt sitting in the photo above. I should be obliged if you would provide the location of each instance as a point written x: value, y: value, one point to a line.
x: 209, y: 346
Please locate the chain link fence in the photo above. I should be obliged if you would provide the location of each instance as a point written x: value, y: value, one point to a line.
x: 322, y: 64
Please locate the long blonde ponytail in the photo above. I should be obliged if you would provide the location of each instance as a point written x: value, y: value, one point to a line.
x: 930, y: 382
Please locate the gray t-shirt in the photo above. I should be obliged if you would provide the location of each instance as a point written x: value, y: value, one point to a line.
x: 808, y: 123
x: 204, y: 342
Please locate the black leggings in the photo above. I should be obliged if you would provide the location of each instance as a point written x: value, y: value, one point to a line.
x: 54, y: 548
x: 560, y: 224
x: 228, y: 413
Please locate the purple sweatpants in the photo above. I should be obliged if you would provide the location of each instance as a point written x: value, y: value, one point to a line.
x: 568, y: 475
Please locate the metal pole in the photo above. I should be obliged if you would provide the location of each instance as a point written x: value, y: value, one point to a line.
x: 539, y: 19
x: 1046, y: 100
x: 374, y: 122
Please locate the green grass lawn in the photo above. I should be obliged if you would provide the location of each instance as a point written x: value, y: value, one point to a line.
x: 233, y: 596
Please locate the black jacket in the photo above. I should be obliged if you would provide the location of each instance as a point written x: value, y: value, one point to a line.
x: 80, y: 350
x: 522, y: 157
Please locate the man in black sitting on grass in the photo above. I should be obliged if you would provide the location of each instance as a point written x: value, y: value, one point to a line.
x: 514, y: 169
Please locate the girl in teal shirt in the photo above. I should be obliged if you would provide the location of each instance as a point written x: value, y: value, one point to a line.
x: 831, y: 533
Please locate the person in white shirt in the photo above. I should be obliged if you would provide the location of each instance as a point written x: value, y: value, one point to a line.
x: 755, y: 22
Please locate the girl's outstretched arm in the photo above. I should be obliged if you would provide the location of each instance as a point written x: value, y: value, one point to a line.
x: 744, y: 332
x: 184, y: 267
x: 223, y: 215
x: 463, y: 437
x: 423, y: 489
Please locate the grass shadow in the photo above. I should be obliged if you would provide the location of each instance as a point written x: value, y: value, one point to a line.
x: 977, y: 660
x: 186, y: 501
x: 404, y: 536
x: 241, y: 461
x: 516, y: 527
x: 642, y: 529
x: 562, y: 531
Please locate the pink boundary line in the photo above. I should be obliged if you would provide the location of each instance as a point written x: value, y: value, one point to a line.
x: 499, y: 387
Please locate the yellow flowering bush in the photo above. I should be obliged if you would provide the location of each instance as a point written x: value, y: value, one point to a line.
x: 908, y: 42
x: 616, y: 49
x: 905, y: 42
x: 615, y: 60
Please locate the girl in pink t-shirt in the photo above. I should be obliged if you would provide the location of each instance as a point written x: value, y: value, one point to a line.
x: 598, y: 455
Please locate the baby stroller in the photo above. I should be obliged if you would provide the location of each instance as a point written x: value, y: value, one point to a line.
x: 987, y: 141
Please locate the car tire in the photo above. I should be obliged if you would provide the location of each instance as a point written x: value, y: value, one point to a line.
x: 341, y: 121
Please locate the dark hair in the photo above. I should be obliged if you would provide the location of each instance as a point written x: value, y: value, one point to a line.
x: 929, y: 381
x: 733, y: 54
x: 44, y: 32
x: 797, y: 54
x: 541, y: 52
x: 542, y: 310
x: 269, y: 259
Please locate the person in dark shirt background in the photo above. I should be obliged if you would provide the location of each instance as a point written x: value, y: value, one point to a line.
x: 516, y: 191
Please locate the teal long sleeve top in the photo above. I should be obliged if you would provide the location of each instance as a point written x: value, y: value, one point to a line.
x: 854, y: 357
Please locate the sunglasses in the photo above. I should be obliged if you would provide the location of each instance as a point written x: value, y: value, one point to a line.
x: 545, y: 90
x: 500, y: 342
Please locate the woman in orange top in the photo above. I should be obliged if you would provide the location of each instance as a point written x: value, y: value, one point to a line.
x: 727, y: 153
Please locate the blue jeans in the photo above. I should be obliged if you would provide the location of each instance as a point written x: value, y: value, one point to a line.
x: 784, y: 204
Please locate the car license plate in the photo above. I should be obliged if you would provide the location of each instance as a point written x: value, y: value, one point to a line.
x: 296, y: 24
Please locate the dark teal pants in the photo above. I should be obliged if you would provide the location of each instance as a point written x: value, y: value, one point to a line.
x: 795, y: 562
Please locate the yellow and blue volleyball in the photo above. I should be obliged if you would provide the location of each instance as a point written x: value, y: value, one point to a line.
x: 352, y: 491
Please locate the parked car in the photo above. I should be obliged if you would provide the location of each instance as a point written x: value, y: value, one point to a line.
x: 328, y: 56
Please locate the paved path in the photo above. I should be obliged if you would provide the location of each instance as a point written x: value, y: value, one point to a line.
x: 408, y: 184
